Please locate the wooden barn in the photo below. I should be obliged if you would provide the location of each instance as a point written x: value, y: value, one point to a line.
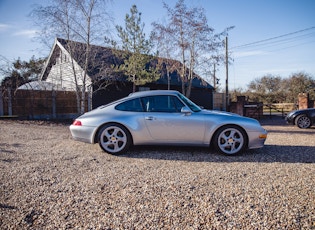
x: 64, y: 70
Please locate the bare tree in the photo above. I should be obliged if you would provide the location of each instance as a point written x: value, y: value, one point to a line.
x: 192, y: 39
x: 266, y: 88
x: 5, y: 67
x: 84, y: 21
x: 176, y: 29
x: 163, y: 41
x: 274, y: 89
x: 299, y: 82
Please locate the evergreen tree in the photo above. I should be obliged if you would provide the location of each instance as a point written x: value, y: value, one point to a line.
x: 22, y: 72
x: 136, y: 49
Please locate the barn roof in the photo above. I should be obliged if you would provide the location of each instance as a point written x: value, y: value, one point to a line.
x: 102, y: 60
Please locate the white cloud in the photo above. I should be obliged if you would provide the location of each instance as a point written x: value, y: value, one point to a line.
x: 249, y: 53
x: 26, y: 33
x: 14, y: 31
x: 3, y: 27
x: 278, y: 71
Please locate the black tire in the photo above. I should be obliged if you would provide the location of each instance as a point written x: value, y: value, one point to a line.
x: 114, y: 139
x: 230, y: 140
x: 303, y: 122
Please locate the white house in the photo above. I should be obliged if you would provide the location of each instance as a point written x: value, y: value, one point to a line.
x: 62, y: 69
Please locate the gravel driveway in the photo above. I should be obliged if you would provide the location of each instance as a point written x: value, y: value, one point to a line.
x: 49, y: 181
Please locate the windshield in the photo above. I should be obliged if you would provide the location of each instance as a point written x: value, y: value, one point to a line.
x: 189, y: 103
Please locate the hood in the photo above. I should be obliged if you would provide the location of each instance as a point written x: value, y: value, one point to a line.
x: 218, y: 112
x: 227, y: 116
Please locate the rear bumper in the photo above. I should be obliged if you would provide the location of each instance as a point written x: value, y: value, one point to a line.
x: 83, y: 133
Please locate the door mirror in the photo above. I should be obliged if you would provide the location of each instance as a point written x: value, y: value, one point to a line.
x: 185, y: 110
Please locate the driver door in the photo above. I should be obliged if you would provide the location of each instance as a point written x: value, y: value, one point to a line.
x: 166, y: 123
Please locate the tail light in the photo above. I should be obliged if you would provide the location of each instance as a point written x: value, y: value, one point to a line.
x: 77, y: 123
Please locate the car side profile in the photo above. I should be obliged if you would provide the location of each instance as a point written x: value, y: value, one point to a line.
x: 165, y: 117
x: 303, y: 118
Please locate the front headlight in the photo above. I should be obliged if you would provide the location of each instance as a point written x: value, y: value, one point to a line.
x: 290, y: 114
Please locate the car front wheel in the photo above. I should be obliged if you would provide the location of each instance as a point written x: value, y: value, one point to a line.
x: 303, y: 122
x: 114, y: 139
x: 230, y: 140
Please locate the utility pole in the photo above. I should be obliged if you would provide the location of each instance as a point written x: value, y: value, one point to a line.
x: 227, y: 75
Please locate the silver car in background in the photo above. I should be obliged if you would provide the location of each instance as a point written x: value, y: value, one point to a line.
x: 165, y: 117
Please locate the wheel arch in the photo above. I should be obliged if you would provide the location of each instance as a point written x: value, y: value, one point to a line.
x: 97, y: 133
x: 303, y: 115
x: 295, y: 118
x: 229, y: 125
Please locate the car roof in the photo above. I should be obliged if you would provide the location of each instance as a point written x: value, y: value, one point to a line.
x: 152, y: 93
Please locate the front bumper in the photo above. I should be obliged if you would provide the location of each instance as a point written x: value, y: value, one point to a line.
x: 290, y: 118
x: 257, y: 139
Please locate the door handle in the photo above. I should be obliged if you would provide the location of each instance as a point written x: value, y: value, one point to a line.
x: 149, y: 118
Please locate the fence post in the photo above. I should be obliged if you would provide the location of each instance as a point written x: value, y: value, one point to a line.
x: 9, y: 102
x: 53, y: 97
x: 1, y: 103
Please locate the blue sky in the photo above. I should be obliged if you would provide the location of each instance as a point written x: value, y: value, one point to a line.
x: 288, y: 26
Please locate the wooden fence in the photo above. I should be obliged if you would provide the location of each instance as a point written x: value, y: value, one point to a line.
x: 37, y: 104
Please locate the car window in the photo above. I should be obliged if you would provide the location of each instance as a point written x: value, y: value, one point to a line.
x: 162, y: 103
x: 190, y: 104
x: 131, y: 105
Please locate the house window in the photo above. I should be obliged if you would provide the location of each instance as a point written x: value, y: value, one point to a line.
x: 62, y: 58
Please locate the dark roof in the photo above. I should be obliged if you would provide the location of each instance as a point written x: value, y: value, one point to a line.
x: 102, y: 59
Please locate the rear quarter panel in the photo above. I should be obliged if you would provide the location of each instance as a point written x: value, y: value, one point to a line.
x: 133, y: 121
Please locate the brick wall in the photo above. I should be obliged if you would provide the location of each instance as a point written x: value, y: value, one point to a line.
x: 305, y: 102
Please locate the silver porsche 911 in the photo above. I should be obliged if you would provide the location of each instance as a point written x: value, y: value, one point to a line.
x: 163, y: 117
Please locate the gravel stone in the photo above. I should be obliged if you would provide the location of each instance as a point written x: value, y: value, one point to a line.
x: 49, y: 181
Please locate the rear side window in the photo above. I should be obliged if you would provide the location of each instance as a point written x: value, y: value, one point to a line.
x: 133, y: 105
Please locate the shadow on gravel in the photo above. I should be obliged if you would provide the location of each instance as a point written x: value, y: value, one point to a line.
x: 272, y: 120
x: 267, y: 154
x: 276, y: 120
x: 5, y: 206
x: 310, y: 131
x: 4, y: 147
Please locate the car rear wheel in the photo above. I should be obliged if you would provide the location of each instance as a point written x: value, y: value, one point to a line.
x: 114, y: 138
x: 303, y: 122
x: 230, y: 140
